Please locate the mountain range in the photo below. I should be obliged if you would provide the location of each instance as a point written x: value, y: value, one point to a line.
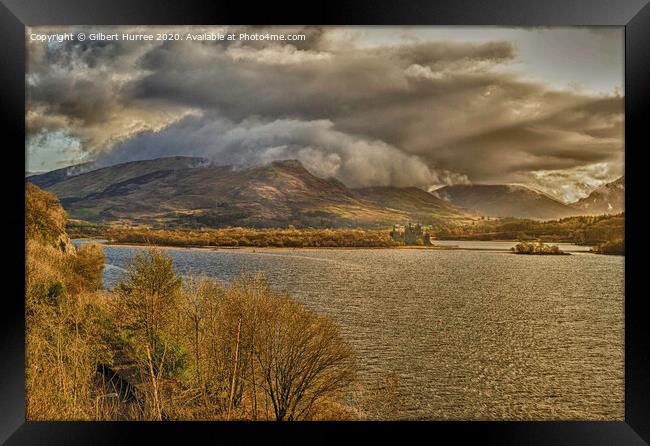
x: 505, y: 200
x: 195, y: 192
x: 607, y: 199
x: 509, y: 200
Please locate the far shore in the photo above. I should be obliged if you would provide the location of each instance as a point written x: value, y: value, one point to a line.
x: 309, y: 248
x: 267, y: 248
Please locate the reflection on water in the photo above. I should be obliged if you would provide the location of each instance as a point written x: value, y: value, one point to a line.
x: 471, y: 334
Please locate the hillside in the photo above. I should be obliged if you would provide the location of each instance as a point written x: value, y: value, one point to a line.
x: 607, y: 199
x: 83, y: 180
x: 52, y: 177
x: 420, y: 204
x: 191, y: 192
x: 505, y: 201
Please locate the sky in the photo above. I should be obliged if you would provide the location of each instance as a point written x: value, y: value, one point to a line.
x: 371, y: 106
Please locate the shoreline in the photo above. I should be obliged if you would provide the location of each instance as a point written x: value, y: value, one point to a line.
x: 314, y: 248
x: 270, y: 248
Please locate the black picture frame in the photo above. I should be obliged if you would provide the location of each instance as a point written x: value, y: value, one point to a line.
x: 634, y: 15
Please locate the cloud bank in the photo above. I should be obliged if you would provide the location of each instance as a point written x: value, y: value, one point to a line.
x: 412, y: 113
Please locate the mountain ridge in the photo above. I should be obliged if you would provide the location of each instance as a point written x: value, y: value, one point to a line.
x: 505, y: 200
x: 194, y: 191
x: 189, y: 191
x: 606, y: 199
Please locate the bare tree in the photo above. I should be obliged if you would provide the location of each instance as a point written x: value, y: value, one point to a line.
x: 234, y: 370
x: 302, y: 358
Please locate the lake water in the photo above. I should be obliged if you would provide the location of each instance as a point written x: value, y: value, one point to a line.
x: 471, y: 334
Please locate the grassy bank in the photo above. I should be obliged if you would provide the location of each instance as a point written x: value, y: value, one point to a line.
x: 162, y: 347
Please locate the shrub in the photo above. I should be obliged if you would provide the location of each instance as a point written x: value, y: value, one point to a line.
x: 44, y: 217
x: 84, y: 268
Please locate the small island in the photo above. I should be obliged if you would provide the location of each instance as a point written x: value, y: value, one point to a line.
x: 537, y: 248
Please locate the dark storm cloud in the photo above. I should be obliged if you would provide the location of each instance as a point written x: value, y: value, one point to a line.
x: 569, y: 137
x: 309, y: 83
x: 422, y: 113
x: 76, y: 80
x: 85, y: 90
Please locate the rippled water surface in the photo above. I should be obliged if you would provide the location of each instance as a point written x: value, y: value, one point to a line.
x: 479, y: 334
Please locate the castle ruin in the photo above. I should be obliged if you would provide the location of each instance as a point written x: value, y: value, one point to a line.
x: 411, y: 234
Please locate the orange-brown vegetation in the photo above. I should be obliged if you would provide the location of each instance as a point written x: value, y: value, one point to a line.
x: 586, y: 230
x: 162, y: 347
x: 244, y: 237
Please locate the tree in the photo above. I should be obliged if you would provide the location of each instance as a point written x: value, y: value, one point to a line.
x: 302, y: 358
x: 149, y: 291
x: 149, y: 294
